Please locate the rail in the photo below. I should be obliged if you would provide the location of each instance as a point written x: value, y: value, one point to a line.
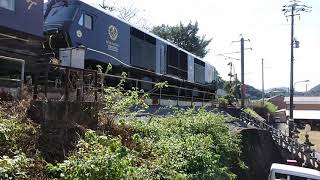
x: 300, y: 151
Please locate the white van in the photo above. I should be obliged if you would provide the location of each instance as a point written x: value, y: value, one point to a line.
x: 288, y: 172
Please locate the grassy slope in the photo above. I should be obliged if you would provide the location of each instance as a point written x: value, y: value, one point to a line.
x: 190, y: 144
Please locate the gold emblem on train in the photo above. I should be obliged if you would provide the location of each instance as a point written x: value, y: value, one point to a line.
x: 113, y: 32
x: 31, y: 3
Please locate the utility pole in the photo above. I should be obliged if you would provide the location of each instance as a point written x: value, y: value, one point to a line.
x: 242, y: 73
x: 242, y: 49
x: 306, y: 89
x: 230, y: 74
x: 262, y: 81
x: 293, y: 8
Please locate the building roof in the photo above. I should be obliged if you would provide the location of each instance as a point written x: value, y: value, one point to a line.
x: 303, y: 100
x: 305, y: 114
x: 273, y: 97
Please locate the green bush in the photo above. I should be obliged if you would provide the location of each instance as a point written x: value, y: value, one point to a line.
x: 98, y: 157
x: 15, y: 167
x: 251, y: 112
x: 268, y: 106
x: 10, y: 131
x: 14, y: 164
x: 191, y: 144
x: 187, y: 145
x: 223, y: 102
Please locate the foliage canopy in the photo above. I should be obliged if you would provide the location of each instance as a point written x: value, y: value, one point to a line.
x: 185, y: 36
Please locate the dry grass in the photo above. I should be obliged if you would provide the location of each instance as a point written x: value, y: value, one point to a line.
x: 314, y: 137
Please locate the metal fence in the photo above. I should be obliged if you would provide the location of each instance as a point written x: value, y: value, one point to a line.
x: 301, y: 151
x: 88, y: 85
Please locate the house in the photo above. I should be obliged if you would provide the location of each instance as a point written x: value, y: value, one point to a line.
x: 304, y: 103
x: 306, y: 110
x: 277, y: 101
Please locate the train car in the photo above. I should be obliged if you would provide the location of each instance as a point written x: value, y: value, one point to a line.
x: 108, y: 39
x: 21, y: 34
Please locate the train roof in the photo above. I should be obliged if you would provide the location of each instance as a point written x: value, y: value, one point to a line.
x: 144, y: 31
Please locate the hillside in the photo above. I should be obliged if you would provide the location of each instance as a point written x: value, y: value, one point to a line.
x: 64, y: 144
x: 315, y: 91
x: 253, y: 93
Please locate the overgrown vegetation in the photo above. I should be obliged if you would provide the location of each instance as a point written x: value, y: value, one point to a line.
x: 190, y: 144
x: 223, y: 102
x: 264, y: 109
x: 18, y: 155
x: 251, y: 112
x: 13, y: 163
x: 271, y: 108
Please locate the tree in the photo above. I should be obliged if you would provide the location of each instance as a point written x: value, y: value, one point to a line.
x: 185, y: 37
x: 125, y: 11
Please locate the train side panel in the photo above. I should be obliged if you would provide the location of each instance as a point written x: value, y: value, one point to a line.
x: 22, y: 16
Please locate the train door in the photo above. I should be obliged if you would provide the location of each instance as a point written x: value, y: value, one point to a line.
x: 85, y: 31
x: 190, y: 69
x: 208, y: 73
x: 161, y: 58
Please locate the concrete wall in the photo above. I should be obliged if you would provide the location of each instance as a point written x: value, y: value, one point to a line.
x: 259, y: 152
x: 61, y: 125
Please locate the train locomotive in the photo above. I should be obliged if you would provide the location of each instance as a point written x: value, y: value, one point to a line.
x: 21, y: 34
x: 108, y: 40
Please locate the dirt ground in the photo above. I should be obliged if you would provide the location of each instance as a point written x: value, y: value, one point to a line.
x: 314, y: 137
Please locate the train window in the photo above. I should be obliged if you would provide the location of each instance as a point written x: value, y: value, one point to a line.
x: 150, y: 39
x: 143, y: 36
x: 197, y: 61
x: 173, y: 56
x: 183, y: 60
x: 88, y: 21
x: 61, y: 13
x: 8, y: 4
x: 81, y: 20
x: 139, y: 34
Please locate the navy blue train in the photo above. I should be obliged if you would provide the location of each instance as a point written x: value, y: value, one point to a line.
x: 21, y: 32
x: 107, y: 39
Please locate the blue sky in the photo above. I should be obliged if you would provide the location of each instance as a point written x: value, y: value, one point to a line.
x: 259, y: 20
